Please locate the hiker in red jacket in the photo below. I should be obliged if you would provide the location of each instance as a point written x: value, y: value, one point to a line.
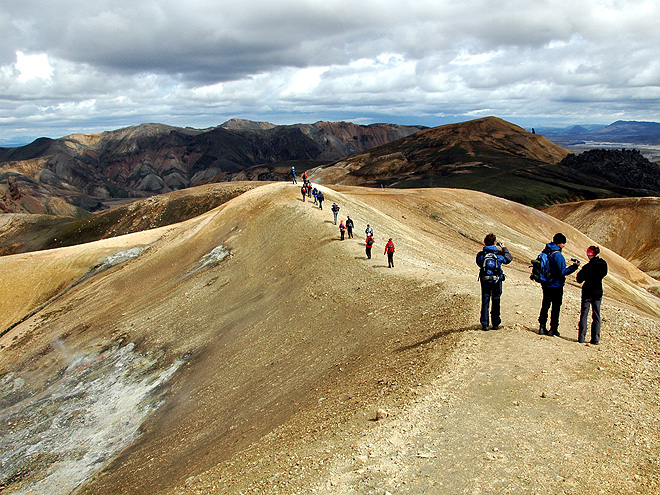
x: 369, y: 242
x: 389, y: 251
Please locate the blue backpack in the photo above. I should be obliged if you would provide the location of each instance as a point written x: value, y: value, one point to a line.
x: 541, y: 268
x: 491, y: 268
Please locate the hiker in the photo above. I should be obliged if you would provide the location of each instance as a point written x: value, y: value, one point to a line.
x: 369, y: 243
x: 293, y: 174
x: 592, y: 275
x: 553, y: 288
x: 315, y: 193
x: 309, y: 189
x: 349, y: 227
x: 335, y: 211
x: 490, y: 260
x: 303, y: 190
x: 320, y: 197
x: 369, y: 231
x: 342, y: 229
x: 389, y: 251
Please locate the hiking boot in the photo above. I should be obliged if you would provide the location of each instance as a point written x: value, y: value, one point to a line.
x: 543, y: 330
x: 495, y: 327
x: 553, y: 333
x: 484, y: 328
x: 594, y: 342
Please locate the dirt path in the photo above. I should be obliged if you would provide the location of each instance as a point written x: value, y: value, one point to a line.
x: 517, y: 413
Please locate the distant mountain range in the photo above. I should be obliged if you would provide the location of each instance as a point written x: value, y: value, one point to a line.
x: 624, y: 132
x: 81, y: 173
x: 87, y: 169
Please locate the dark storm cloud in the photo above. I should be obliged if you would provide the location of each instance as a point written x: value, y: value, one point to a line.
x: 81, y: 63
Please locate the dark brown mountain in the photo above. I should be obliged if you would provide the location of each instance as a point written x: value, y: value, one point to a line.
x: 87, y: 170
x: 488, y: 155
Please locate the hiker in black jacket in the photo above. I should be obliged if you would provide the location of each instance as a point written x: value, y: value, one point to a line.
x: 349, y: 227
x: 592, y: 275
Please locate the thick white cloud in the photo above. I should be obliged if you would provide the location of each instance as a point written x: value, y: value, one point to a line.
x: 85, y: 66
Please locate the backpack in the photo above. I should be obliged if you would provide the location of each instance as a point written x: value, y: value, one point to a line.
x: 541, y: 268
x: 491, y: 268
x: 370, y: 242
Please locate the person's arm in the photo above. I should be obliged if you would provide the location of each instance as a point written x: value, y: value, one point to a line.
x: 563, y: 269
x: 508, y: 258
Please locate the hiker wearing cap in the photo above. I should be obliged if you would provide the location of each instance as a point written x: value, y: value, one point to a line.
x: 320, y: 198
x: 553, y: 288
x: 303, y: 190
x: 490, y: 260
x: 389, y: 251
x: 369, y: 231
x: 592, y: 275
x: 293, y: 175
x: 342, y: 229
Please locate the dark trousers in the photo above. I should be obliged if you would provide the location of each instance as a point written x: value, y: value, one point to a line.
x: 390, y: 260
x: 594, y: 305
x: 368, y: 250
x: 552, y: 296
x: 490, y: 299
x: 350, y: 232
x: 342, y: 234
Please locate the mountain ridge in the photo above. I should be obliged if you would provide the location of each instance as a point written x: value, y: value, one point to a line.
x: 139, y: 161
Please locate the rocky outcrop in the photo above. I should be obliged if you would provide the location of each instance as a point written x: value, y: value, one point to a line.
x: 626, y: 169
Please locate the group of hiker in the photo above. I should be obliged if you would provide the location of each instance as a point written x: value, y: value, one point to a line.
x: 550, y: 270
x: 307, y: 190
x: 345, y: 227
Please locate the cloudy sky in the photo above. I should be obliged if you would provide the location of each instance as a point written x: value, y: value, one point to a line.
x: 86, y: 66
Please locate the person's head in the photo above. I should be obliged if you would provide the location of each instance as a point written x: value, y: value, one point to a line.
x: 390, y: 240
x: 489, y: 240
x: 559, y: 239
x: 593, y: 251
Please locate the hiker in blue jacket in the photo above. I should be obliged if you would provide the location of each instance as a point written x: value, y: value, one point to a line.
x: 490, y: 260
x: 553, y: 289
